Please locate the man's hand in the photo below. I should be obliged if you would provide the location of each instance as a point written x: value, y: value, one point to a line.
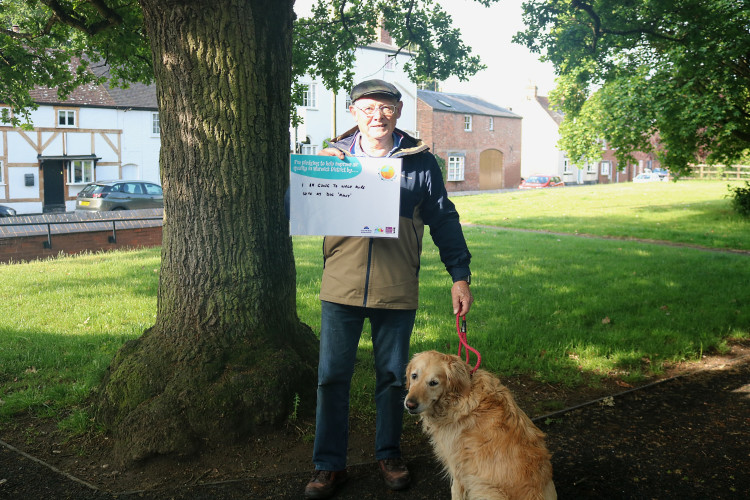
x: 462, y: 298
x: 332, y: 152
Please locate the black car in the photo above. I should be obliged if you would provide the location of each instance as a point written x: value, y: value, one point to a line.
x: 7, y: 211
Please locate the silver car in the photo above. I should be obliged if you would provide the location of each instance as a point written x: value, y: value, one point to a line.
x: 120, y: 195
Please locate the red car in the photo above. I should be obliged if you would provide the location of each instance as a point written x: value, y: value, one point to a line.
x: 541, y: 181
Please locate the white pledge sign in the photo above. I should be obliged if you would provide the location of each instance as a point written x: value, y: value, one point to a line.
x: 351, y: 197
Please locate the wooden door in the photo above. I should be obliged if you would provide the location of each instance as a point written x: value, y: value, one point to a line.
x: 491, y: 169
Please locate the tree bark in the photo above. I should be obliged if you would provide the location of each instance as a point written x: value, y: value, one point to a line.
x: 227, y: 354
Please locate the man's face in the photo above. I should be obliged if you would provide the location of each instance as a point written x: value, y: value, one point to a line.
x: 378, y: 126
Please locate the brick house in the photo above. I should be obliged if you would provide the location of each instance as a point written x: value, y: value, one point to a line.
x: 608, y: 166
x: 479, y: 141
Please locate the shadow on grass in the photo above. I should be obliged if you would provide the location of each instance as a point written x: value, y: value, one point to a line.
x: 45, y: 372
x: 558, y: 307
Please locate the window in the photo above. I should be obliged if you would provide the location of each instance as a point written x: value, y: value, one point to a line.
x: 1, y: 173
x: 389, y: 62
x: 590, y: 168
x: 492, y: 123
x: 131, y: 188
x: 348, y: 102
x: 66, y: 118
x: 467, y: 123
x: 456, y: 168
x: 155, y: 126
x: 152, y: 189
x: 310, y: 96
x: 81, y: 172
x: 566, y: 166
x: 605, y: 167
x: 309, y: 149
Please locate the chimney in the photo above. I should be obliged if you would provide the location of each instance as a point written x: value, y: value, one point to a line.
x: 531, y: 92
x: 385, y: 37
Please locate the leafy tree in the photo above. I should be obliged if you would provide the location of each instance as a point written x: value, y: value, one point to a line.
x: 227, y: 354
x: 52, y: 43
x: 677, y: 70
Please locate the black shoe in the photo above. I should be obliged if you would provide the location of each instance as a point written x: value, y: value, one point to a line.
x: 324, y: 483
x: 394, y: 472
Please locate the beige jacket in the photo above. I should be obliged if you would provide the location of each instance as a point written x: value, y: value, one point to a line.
x: 384, y: 272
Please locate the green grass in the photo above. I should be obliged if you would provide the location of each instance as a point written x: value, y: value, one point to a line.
x: 61, y: 322
x: 691, y: 212
x: 559, y: 308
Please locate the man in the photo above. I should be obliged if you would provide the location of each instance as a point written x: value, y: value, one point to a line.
x: 377, y: 278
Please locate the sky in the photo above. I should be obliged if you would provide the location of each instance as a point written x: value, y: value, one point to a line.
x: 511, y: 68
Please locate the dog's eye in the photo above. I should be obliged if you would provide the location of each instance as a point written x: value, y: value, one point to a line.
x: 433, y: 383
x: 414, y: 376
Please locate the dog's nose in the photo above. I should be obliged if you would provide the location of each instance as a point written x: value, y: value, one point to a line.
x: 410, y: 404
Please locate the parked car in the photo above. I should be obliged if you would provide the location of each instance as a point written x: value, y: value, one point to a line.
x: 648, y: 177
x: 7, y: 211
x: 663, y: 173
x: 541, y: 181
x: 119, y: 195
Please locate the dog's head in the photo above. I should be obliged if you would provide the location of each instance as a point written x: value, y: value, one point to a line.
x: 433, y: 379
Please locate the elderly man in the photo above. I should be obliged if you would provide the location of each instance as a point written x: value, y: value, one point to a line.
x: 378, y: 279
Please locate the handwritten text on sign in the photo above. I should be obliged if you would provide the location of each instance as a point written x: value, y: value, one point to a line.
x: 352, y: 197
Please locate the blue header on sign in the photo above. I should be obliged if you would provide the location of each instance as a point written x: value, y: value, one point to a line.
x: 325, y: 167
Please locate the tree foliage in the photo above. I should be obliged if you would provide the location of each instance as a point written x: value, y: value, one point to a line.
x: 634, y: 70
x: 52, y: 44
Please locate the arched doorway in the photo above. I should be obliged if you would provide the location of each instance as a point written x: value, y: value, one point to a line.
x: 130, y: 171
x: 491, y: 169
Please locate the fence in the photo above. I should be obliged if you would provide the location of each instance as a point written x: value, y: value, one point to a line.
x: 26, y: 238
x: 720, y: 172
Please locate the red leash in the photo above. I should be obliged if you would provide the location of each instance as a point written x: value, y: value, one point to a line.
x: 461, y: 330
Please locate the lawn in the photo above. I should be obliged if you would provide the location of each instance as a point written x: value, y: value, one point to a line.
x: 690, y: 212
x: 557, y: 307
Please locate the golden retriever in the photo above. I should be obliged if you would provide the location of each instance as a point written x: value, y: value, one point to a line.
x: 487, y: 444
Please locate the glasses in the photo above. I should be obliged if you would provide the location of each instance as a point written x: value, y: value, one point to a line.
x: 386, y: 110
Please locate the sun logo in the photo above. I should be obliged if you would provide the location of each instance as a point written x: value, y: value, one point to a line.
x: 387, y: 172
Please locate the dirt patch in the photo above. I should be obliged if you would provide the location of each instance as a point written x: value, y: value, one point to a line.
x: 683, y: 438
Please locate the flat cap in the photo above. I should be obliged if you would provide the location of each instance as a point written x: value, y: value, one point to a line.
x: 375, y: 87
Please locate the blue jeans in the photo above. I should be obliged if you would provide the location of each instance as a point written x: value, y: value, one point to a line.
x: 341, y: 328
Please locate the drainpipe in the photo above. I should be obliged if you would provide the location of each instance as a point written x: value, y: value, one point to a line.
x: 333, y: 115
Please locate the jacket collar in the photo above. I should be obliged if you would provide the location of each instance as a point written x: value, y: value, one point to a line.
x: 407, y: 145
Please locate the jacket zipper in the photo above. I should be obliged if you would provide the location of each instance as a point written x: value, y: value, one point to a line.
x: 367, y: 273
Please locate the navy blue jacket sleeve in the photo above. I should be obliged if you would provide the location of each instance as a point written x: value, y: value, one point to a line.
x: 440, y: 214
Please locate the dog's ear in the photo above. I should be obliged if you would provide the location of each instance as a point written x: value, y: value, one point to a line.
x: 408, y: 374
x: 458, y: 376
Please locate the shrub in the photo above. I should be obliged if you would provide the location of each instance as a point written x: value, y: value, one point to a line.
x: 741, y: 198
x: 443, y: 167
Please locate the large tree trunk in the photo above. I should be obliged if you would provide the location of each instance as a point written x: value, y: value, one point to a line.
x: 227, y: 354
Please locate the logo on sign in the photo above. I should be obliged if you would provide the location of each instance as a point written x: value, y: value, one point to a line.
x: 387, y: 173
